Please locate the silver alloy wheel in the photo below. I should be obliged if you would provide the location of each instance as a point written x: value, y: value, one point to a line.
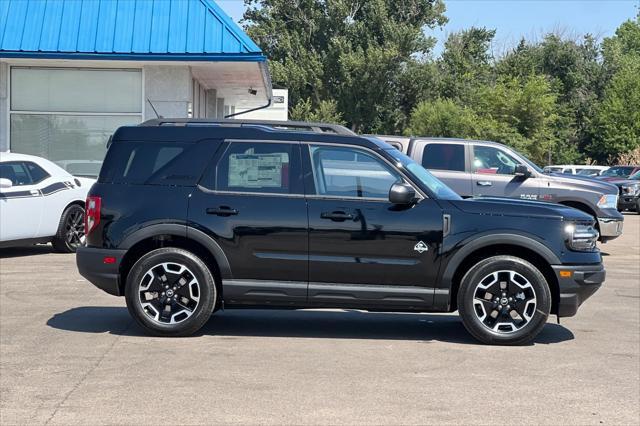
x: 169, y: 293
x: 504, y: 301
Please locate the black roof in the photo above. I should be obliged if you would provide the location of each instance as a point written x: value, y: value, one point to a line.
x: 192, y: 130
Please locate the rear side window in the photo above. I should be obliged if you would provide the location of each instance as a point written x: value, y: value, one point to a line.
x: 156, y: 163
x: 37, y: 173
x: 269, y: 168
x: 443, y: 156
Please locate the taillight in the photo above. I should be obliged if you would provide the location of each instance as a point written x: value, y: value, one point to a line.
x: 92, y: 214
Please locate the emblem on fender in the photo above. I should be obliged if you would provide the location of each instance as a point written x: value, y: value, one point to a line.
x: 421, y: 247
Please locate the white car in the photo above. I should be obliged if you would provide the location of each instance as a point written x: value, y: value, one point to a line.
x: 40, y: 202
x: 573, y: 169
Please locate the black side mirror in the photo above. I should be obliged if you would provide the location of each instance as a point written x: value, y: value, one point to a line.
x: 402, y: 193
x: 522, y: 170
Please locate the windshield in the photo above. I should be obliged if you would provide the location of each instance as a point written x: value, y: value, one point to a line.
x: 531, y: 163
x: 588, y: 172
x: 618, y: 172
x: 441, y: 190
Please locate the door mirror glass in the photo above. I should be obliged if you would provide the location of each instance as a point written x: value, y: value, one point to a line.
x: 522, y: 170
x: 5, y: 183
x: 402, y: 193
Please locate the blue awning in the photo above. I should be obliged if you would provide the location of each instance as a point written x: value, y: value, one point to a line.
x: 158, y: 30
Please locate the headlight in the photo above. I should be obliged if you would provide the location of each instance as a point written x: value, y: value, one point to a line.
x: 631, y: 189
x: 608, y: 201
x: 581, y: 237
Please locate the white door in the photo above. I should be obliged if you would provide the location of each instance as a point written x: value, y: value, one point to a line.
x: 21, y: 206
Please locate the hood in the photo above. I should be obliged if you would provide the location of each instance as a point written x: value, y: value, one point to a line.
x: 584, y: 182
x: 620, y: 182
x: 520, y: 208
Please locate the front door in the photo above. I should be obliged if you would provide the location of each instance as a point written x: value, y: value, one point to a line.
x: 363, y: 250
x: 494, y: 175
x: 252, y: 203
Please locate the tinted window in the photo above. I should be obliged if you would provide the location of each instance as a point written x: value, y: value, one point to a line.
x: 350, y: 172
x: 443, y: 156
x: 490, y: 160
x: 618, y: 171
x: 257, y: 167
x: 37, y: 173
x: 16, y: 172
x: 155, y: 163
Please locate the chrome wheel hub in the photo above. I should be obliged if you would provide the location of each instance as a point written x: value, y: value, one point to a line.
x: 504, y: 301
x: 169, y: 293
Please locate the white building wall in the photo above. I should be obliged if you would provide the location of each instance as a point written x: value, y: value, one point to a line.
x: 169, y: 88
x: 4, y: 107
x: 279, y: 109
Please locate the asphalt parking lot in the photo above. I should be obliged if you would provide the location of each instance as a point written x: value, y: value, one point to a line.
x: 71, y: 354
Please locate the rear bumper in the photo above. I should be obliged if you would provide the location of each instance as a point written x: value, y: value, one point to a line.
x: 105, y: 276
x: 578, y: 287
x: 610, y: 228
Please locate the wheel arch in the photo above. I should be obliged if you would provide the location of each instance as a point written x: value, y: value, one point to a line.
x: 179, y: 236
x: 584, y: 207
x: 513, y: 245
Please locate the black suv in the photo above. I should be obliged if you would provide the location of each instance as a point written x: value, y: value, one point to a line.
x: 191, y: 216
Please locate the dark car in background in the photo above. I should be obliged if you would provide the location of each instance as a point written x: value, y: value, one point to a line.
x: 629, y: 198
x: 618, y: 172
x: 476, y: 168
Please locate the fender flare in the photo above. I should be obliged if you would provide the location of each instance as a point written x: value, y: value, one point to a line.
x: 183, y: 231
x: 490, y: 240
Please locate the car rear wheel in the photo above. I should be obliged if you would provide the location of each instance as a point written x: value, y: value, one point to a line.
x: 170, y: 292
x: 70, y: 233
x: 504, y: 300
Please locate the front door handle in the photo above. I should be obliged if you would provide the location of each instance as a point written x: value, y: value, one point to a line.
x: 337, y: 216
x: 484, y: 183
x: 222, y: 211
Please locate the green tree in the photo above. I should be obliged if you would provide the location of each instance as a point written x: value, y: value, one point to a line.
x: 350, y: 51
x: 442, y: 118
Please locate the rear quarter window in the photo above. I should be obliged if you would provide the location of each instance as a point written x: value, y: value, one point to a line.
x: 440, y: 156
x: 156, y: 163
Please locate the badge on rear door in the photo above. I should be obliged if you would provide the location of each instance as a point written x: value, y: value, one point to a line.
x: 421, y: 247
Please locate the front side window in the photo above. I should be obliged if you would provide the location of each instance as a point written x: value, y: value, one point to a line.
x: 443, y: 156
x: 351, y: 172
x: 491, y: 160
x: 16, y: 172
x: 257, y: 167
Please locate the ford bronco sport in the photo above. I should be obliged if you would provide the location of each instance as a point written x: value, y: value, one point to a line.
x: 191, y: 216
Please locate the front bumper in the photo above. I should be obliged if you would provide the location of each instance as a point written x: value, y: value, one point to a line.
x: 629, y: 202
x: 581, y: 283
x: 105, y: 276
x: 610, y: 228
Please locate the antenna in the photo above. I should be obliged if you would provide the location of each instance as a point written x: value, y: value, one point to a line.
x: 154, y: 109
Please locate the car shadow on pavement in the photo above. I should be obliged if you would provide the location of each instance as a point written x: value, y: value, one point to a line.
x: 334, y: 324
x: 9, y: 252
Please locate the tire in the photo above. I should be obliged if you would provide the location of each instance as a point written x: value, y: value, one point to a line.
x: 504, y: 300
x: 70, y: 234
x: 638, y: 206
x: 170, y: 292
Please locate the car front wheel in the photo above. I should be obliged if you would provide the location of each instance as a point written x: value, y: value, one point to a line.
x: 170, y: 292
x: 504, y: 300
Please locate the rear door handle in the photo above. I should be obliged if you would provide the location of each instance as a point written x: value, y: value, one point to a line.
x: 222, y: 211
x: 484, y: 183
x: 337, y: 216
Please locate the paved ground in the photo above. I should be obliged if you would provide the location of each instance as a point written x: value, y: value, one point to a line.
x: 71, y: 354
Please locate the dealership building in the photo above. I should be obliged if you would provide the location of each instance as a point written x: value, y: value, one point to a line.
x: 72, y: 71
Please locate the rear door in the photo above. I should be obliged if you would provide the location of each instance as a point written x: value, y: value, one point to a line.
x: 448, y: 161
x: 252, y: 203
x: 21, y: 206
x: 494, y: 175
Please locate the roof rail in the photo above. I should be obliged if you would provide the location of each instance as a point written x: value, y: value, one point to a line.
x: 272, y: 124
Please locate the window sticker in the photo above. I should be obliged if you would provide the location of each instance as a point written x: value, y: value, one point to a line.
x: 257, y: 170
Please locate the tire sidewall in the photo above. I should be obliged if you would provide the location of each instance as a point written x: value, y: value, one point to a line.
x: 205, y: 279
x: 466, y: 295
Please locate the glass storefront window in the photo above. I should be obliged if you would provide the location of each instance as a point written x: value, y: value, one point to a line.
x: 67, y: 114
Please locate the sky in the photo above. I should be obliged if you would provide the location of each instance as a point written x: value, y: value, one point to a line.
x: 513, y: 19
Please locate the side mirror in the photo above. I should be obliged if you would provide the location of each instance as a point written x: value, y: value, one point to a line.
x: 402, y: 193
x: 5, y: 183
x: 522, y: 170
